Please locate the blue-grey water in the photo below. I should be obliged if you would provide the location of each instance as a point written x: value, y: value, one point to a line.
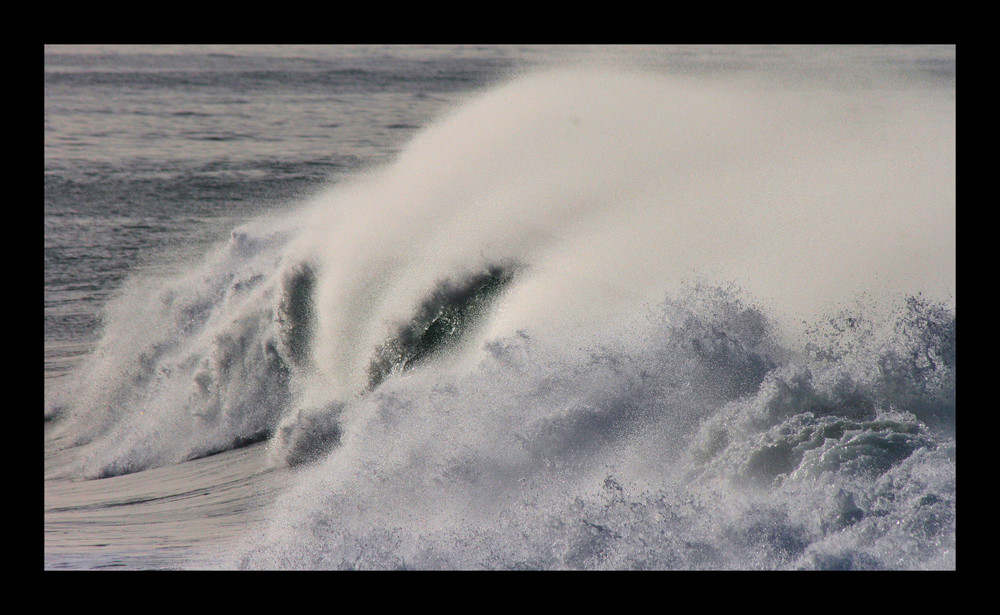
x: 499, y: 307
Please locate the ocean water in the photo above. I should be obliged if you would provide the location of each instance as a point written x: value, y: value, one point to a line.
x: 497, y: 307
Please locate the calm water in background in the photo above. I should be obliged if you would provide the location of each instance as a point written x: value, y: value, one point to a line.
x: 153, y: 152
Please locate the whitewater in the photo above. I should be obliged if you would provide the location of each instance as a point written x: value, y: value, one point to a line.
x: 594, y: 316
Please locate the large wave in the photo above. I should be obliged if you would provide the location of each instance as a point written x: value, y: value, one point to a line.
x: 707, y: 446
x: 568, y: 305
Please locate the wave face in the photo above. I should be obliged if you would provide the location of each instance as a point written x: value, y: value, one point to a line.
x: 592, y: 318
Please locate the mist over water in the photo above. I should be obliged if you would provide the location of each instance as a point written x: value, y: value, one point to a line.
x: 593, y: 317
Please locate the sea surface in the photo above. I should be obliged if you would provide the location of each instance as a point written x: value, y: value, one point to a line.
x: 499, y: 307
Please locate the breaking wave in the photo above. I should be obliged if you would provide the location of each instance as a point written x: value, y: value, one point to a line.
x: 584, y: 320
